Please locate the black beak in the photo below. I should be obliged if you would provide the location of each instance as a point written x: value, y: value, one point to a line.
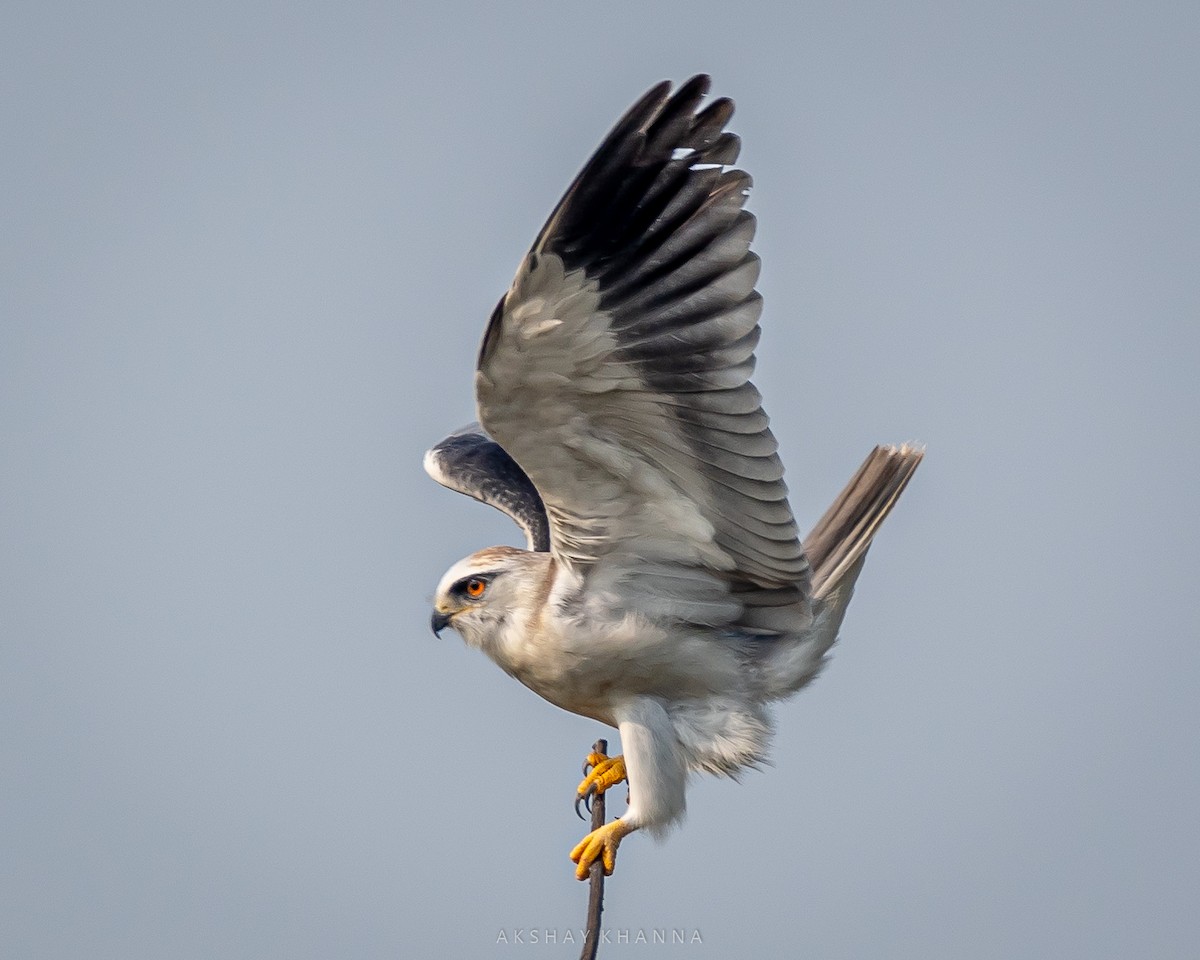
x: 438, y: 622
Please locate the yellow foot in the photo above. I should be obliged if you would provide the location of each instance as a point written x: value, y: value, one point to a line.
x: 602, y: 772
x: 599, y: 845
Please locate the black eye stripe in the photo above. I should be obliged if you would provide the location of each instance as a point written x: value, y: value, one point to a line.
x: 460, y: 587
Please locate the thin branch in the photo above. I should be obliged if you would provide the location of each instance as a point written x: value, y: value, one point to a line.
x: 591, y: 939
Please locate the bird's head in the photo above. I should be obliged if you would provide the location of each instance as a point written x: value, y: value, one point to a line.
x: 479, y: 594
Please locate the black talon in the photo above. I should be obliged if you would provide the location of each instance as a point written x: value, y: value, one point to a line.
x: 586, y: 800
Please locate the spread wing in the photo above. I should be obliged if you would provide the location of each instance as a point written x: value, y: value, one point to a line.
x: 471, y: 462
x: 615, y: 371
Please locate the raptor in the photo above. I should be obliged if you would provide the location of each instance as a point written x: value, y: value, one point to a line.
x: 664, y: 589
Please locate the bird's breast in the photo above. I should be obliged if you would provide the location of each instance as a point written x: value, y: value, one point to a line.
x: 569, y: 668
x: 586, y: 667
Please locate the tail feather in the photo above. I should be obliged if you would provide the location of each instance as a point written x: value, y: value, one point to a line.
x: 836, y: 550
x: 838, y: 544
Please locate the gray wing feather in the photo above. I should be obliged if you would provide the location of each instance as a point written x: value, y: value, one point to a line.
x: 616, y: 369
x: 471, y: 462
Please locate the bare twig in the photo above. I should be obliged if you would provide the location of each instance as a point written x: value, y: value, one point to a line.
x: 591, y: 939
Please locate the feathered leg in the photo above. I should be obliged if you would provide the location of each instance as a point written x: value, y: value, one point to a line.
x: 657, y: 775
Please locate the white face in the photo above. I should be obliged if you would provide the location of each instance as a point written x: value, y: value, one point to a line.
x: 476, y: 596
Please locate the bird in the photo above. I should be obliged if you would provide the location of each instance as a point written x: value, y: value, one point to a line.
x: 664, y: 589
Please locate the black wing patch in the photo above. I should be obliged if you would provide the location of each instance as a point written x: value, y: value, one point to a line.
x: 471, y: 462
x: 656, y: 220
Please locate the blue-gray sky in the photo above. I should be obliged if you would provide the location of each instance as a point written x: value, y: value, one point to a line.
x: 248, y: 250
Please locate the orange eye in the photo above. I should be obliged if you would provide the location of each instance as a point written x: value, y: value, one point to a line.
x: 475, y: 588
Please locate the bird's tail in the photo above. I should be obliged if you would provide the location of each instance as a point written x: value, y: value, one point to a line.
x: 838, y: 544
x: 836, y: 549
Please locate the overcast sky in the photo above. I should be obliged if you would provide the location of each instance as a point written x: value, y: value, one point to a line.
x: 247, y: 252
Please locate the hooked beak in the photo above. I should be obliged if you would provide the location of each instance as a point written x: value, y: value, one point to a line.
x: 438, y: 622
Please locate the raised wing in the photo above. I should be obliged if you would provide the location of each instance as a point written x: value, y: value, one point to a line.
x: 471, y: 462
x: 615, y: 370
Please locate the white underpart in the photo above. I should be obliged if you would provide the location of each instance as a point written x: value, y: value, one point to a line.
x: 682, y: 700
